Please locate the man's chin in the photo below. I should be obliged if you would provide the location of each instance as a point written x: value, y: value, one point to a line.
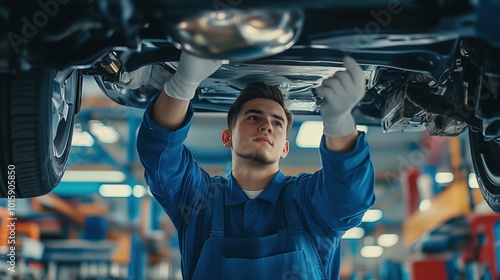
x: 257, y: 159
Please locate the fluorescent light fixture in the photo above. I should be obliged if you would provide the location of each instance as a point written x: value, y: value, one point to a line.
x: 108, y: 176
x: 115, y: 190
x: 388, y: 239
x: 310, y: 132
x: 372, y: 215
x: 424, y: 205
x: 473, y: 184
x: 354, y: 233
x: 139, y: 191
x: 425, y: 184
x: 363, y: 128
x: 82, y: 139
x: 372, y: 251
x: 104, y: 133
x: 444, y: 177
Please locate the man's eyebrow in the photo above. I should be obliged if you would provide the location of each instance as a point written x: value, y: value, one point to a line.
x: 278, y: 117
x: 254, y: 111
x: 259, y: 112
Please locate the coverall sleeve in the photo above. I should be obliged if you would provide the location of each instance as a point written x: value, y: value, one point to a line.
x: 338, y: 195
x: 173, y: 176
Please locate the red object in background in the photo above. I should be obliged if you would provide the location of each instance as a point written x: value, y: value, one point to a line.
x: 428, y: 269
x: 481, y: 247
x: 434, y: 148
x: 410, y: 189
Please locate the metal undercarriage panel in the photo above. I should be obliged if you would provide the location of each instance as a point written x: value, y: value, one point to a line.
x: 295, y: 79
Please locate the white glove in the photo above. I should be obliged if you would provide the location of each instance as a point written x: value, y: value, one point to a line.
x: 341, y: 93
x: 153, y: 76
x: 191, y: 72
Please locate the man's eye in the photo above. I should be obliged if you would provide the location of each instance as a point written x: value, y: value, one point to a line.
x: 278, y: 124
x: 253, y: 118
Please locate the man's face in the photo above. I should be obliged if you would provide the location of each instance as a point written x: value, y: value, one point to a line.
x: 259, y: 134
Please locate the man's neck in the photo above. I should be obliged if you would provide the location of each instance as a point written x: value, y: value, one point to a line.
x: 253, y: 178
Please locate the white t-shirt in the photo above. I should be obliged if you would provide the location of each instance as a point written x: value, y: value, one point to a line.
x: 252, y: 194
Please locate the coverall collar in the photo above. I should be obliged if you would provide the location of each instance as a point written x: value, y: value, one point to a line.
x: 235, y: 195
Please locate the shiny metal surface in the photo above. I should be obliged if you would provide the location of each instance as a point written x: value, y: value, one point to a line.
x: 239, y: 35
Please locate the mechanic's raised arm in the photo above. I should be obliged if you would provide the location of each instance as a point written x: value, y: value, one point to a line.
x: 171, y: 172
x: 340, y: 192
x: 341, y: 93
x: 170, y: 108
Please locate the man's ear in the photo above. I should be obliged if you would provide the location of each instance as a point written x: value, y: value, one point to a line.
x: 226, y: 138
x: 285, y: 151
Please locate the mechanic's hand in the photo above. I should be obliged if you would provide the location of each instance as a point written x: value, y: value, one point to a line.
x: 341, y: 93
x: 149, y: 76
x: 191, y: 72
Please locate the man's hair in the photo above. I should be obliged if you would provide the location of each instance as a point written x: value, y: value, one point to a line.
x: 258, y: 90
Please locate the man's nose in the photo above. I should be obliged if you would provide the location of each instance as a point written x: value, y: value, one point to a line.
x: 267, y: 125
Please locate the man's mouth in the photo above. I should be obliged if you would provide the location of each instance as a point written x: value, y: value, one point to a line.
x: 264, y: 139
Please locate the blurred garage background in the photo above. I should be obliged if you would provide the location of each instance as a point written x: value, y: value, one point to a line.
x: 429, y: 220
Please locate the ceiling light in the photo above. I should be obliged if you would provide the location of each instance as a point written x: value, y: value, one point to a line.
x: 354, y: 233
x: 444, y: 177
x: 139, y: 191
x: 424, y: 205
x: 473, y: 184
x: 310, y: 132
x: 115, y: 190
x: 104, y: 133
x: 372, y: 251
x: 425, y: 184
x: 108, y: 176
x: 372, y: 215
x: 363, y: 128
x: 388, y: 240
x: 82, y: 139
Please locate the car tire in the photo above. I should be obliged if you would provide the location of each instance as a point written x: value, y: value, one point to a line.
x: 37, y: 110
x: 486, y: 162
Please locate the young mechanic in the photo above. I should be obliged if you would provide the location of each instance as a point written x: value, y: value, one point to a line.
x: 258, y: 223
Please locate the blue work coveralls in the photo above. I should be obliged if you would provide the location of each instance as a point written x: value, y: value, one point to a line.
x: 329, y: 201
